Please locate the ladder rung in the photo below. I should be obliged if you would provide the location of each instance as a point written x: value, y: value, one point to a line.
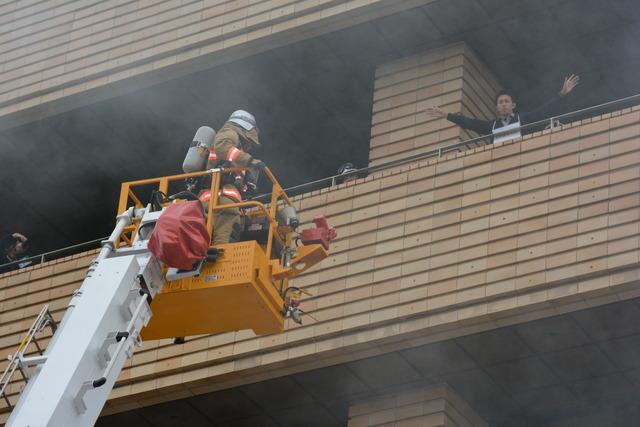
x: 17, y: 361
x: 6, y: 399
x: 35, y: 342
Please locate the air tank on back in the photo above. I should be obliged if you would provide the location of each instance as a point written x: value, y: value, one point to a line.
x: 197, y: 155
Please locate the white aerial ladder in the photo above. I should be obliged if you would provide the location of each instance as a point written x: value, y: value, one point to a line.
x: 69, y: 384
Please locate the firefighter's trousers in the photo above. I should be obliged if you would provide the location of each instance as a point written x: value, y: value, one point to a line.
x: 225, y: 220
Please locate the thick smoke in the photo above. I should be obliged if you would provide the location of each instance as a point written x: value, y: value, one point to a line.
x: 312, y: 99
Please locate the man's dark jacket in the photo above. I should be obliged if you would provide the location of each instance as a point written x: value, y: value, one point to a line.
x: 484, y: 127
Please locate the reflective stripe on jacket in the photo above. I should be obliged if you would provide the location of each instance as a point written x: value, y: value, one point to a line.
x: 227, y: 190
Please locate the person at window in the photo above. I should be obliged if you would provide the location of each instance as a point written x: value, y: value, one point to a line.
x: 507, y: 124
x: 15, y: 249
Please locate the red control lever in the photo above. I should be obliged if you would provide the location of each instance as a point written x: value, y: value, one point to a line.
x: 322, y: 234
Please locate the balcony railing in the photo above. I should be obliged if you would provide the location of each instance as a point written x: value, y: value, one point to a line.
x: 548, y: 123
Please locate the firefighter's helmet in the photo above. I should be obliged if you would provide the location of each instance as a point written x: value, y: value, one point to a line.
x: 346, y: 168
x: 346, y: 173
x: 244, y: 119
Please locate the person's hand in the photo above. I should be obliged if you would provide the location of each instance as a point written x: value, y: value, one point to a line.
x: 257, y: 164
x: 252, y: 189
x: 19, y: 236
x: 569, y: 83
x: 436, y: 112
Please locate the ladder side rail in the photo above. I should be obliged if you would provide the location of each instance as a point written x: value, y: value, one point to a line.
x: 37, y: 326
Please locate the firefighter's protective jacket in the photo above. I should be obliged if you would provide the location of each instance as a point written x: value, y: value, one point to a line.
x: 228, y: 149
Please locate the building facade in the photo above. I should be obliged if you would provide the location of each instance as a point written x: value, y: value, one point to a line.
x: 486, y: 285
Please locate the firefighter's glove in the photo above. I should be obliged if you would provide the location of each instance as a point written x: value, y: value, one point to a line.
x: 252, y: 189
x: 257, y: 164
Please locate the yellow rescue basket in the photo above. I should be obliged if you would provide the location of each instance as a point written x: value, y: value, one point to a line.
x: 247, y: 285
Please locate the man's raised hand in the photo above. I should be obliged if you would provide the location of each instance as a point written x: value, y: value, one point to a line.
x: 569, y: 83
x: 19, y: 236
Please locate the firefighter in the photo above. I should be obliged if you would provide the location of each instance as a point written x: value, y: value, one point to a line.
x: 346, y: 173
x: 231, y: 148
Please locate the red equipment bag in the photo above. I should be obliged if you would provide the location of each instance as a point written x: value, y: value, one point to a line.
x: 180, y: 237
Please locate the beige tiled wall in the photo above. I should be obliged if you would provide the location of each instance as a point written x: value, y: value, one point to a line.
x: 52, y: 50
x: 452, y: 77
x: 427, y: 251
x: 434, y: 406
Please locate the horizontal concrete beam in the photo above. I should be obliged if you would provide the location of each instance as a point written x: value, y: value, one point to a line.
x: 104, y: 52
